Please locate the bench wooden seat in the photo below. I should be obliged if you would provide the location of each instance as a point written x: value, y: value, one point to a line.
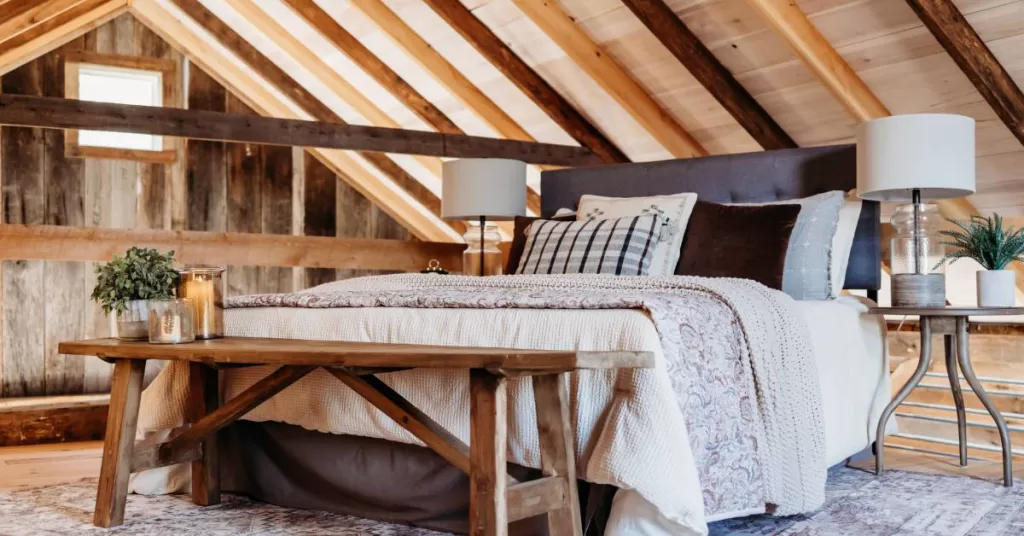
x: 495, y: 498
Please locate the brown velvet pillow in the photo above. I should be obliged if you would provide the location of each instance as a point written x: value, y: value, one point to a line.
x: 747, y: 242
x: 515, y: 251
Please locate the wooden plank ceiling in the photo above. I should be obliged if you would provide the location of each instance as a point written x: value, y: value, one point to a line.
x: 616, y: 77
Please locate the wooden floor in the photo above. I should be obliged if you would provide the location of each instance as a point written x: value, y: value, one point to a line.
x: 54, y: 464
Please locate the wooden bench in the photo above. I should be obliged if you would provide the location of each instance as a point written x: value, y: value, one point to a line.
x: 495, y: 498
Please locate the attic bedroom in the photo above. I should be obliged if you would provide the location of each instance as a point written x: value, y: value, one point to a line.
x: 511, y: 267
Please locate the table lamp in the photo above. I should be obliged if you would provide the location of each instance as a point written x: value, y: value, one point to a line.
x: 914, y: 158
x: 481, y: 189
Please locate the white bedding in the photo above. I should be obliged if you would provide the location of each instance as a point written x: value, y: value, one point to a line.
x: 847, y: 345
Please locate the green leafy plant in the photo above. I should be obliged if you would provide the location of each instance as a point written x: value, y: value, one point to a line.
x: 985, y: 240
x: 142, y: 274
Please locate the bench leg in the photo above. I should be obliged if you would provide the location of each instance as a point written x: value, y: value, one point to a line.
x: 488, y: 513
x: 118, y: 445
x: 204, y: 397
x: 557, y: 449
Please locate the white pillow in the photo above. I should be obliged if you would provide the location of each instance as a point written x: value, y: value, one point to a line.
x: 674, y: 210
x: 842, y: 241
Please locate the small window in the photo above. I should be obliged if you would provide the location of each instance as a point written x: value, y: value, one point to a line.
x: 121, y: 80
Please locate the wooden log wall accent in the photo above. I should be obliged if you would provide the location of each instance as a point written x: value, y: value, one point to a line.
x: 45, y: 297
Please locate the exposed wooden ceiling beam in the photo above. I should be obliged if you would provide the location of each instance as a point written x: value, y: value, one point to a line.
x: 842, y: 81
x: 440, y: 69
x: 18, y: 16
x: 45, y: 112
x: 56, y: 31
x: 611, y: 76
x: 527, y: 80
x: 373, y: 66
x: 793, y: 26
x: 255, y: 93
x: 322, y: 71
x: 705, y: 67
x: 303, y: 98
x: 384, y: 75
x: 970, y: 52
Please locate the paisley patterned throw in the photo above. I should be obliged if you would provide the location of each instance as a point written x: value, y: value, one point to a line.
x: 737, y: 360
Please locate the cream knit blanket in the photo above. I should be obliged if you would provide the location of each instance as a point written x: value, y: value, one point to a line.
x: 730, y: 418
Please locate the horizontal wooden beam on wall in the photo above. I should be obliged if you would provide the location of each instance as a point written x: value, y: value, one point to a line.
x: 52, y: 419
x: 18, y: 110
x: 92, y: 244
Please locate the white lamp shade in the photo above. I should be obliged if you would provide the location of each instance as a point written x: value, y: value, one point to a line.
x: 491, y: 187
x: 933, y: 153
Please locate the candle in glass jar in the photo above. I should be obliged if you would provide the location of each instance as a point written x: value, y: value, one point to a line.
x: 202, y: 286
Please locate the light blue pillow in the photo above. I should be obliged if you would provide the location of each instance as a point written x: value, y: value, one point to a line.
x: 807, y: 273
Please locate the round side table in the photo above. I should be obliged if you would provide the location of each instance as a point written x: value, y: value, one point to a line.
x: 952, y: 321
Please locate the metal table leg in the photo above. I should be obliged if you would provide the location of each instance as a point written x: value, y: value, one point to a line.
x: 963, y: 356
x: 904, y: 392
x: 958, y: 398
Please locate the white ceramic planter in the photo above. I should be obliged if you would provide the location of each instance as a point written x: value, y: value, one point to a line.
x: 133, y: 323
x: 996, y: 288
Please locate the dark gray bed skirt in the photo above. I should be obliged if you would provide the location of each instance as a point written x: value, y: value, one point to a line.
x: 369, y: 478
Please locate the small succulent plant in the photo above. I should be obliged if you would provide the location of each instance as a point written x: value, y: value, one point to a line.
x: 985, y: 240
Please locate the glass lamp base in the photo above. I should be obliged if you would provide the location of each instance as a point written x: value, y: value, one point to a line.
x: 482, y: 247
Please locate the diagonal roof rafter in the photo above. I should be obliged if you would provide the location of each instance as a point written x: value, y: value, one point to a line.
x: 611, y: 76
x: 477, y: 34
x: 344, y: 41
x: 253, y: 91
x: 305, y: 100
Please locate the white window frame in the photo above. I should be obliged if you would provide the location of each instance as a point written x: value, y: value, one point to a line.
x: 165, y: 94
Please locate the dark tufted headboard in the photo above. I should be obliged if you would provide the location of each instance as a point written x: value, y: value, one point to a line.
x: 740, y: 178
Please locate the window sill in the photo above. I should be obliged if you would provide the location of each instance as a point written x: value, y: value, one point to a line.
x: 169, y: 156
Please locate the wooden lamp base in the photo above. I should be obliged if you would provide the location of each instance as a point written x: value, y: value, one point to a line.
x: 918, y: 290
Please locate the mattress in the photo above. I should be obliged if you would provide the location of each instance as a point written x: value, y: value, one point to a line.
x: 848, y: 348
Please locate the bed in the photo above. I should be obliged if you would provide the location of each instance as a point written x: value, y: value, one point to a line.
x: 286, y: 455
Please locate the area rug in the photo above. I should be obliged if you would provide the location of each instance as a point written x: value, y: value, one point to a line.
x: 858, y: 504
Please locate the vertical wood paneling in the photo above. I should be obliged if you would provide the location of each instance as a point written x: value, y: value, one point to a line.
x: 320, y: 194
x: 276, y: 211
x: 207, y: 164
x: 227, y: 187
x: 24, y: 202
x: 64, y: 282
x: 298, y: 208
x: 154, y: 179
x: 245, y: 200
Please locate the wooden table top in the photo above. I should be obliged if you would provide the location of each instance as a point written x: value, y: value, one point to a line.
x: 257, y: 351
x: 948, y: 311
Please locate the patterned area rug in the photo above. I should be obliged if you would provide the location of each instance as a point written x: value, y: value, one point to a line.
x: 899, y: 503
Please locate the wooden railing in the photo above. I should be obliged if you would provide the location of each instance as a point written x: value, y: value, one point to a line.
x: 92, y: 244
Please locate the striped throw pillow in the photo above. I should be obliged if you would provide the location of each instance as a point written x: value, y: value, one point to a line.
x: 623, y: 246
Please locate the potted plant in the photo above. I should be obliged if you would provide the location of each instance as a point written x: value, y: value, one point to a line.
x: 125, y: 284
x: 993, y: 247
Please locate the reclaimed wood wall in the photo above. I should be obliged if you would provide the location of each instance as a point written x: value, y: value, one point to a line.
x: 230, y: 187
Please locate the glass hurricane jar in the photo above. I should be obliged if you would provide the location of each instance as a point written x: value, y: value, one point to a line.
x: 488, y: 251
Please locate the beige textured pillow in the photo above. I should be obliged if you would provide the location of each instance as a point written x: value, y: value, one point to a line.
x: 674, y: 210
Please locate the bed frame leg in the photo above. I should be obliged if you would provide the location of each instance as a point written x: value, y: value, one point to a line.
x: 119, y: 442
x: 558, y: 450
x: 488, y: 511
x: 204, y: 397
